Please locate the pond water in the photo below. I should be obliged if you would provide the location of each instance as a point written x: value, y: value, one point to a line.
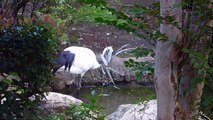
x: 113, y: 97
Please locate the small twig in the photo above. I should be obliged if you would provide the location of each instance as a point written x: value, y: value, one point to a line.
x: 102, y: 69
x: 122, y: 47
x: 204, y: 116
x: 4, y: 75
x: 117, y: 87
x: 104, y: 60
x: 110, y: 76
x: 124, y: 50
x: 114, y: 70
x: 106, y: 57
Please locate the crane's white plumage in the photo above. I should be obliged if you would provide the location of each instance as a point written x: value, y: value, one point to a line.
x: 84, y: 60
x: 81, y: 59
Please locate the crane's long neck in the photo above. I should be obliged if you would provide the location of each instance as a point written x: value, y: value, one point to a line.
x: 97, y: 64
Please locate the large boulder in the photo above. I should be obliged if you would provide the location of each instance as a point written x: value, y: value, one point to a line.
x: 145, y: 111
x: 126, y: 74
x: 57, y: 102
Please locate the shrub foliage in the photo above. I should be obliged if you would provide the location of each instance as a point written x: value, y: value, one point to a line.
x: 26, y: 52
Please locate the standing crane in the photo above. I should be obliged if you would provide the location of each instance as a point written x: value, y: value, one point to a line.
x: 77, y: 60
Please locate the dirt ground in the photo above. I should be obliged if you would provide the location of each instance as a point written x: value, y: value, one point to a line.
x: 99, y: 36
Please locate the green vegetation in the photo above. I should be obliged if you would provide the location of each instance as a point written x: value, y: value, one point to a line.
x: 141, y: 69
x: 81, y: 112
x: 58, y: 14
x: 90, y: 110
x: 60, y: 10
x: 91, y: 13
x: 26, y: 52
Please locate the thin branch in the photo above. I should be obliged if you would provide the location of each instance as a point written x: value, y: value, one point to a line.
x: 114, y: 71
x: 125, y: 50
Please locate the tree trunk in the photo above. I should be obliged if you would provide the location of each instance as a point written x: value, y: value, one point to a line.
x: 167, y: 63
x: 190, y: 96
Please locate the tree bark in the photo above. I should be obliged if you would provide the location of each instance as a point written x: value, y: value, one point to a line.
x: 167, y: 63
x: 190, y: 97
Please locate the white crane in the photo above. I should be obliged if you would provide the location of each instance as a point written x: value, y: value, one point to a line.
x: 78, y: 60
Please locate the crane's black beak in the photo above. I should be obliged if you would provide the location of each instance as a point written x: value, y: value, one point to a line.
x: 55, y: 68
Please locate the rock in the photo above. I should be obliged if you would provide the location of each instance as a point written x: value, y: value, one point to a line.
x: 61, y: 79
x: 57, y: 102
x: 9, y: 77
x: 145, y: 111
x: 126, y: 74
x: 108, y: 34
x: 117, y: 64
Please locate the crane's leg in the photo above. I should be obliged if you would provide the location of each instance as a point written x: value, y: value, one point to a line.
x: 77, y: 93
x: 79, y: 78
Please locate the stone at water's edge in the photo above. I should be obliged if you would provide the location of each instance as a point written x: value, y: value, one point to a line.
x: 61, y: 79
x: 117, y: 64
x: 145, y: 111
x: 57, y: 102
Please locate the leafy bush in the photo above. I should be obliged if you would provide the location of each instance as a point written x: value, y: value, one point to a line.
x: 61, y: 10
x: 58, y: 28
x: 92, y: 13
x: 58, y: 13
x: 26, y: 52
x: 141, y: 69
x: 91, y: 110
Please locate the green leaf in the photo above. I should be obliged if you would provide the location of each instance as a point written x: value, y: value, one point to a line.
x: 101, y: 117
x: 169, y: 19
x: 131, y: 61
x: 195, y: 81
x: 7, y: 81
x: 138, y: 75
x: 99, y: 19
x: 140, y: 52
